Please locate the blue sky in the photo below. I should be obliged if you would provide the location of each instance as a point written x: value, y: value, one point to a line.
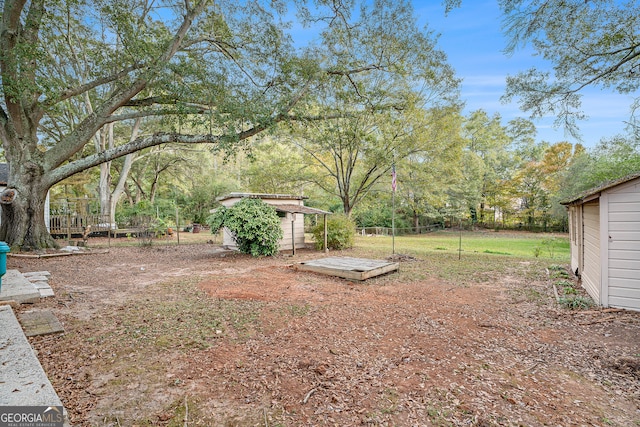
x: 472, y: 38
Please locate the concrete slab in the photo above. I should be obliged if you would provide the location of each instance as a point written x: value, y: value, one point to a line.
x: 24, y: 382
x: 36, y: 273
x: 36, y: 278
x: 46, y: 292
x: 42, y: 287
x: 40, y: 284
x: 39, y: 322
x: 16, y: 287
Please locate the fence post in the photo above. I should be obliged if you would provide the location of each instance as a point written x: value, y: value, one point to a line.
x: 68, y: 227
x: 177, y: 226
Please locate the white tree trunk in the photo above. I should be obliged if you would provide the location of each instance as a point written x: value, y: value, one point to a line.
x: 124, y: 174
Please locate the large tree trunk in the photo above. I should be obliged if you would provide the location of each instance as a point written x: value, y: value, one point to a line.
x: 346, y: 205
x: 104, y: 190
x: 23, y: 224
x: 28, y: 95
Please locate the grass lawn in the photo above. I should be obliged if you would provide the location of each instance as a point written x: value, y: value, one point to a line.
x: 554, y: 247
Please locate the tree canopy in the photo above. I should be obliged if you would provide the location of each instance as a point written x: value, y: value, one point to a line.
x: 127, y: 84
x: 195, y: 72
x: 588, y: 43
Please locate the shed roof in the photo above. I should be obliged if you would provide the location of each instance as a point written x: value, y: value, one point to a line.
x: 283, y: 207
x: 261, y: 196
x: 594, y: 191
x: 300, y: 209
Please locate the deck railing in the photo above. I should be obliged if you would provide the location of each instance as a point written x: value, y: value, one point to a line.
x: 77, y: 224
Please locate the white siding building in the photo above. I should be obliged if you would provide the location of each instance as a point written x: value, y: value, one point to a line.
x: 604, y: 226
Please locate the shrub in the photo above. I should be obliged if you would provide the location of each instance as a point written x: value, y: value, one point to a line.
x: 564, y: 283
x: 576, y: 302
x: 340, y: 232
x: 559, y: 274
x: 537, y: 251
x: 254, y: 224
x: 551, y: 244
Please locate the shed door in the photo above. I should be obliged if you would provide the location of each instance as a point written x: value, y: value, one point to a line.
x: 591, y: 236
x: 575, y: 234
x: 624, y: 247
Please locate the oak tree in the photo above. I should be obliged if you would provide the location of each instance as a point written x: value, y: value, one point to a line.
x: 228, y: 69
x: 594, y: 43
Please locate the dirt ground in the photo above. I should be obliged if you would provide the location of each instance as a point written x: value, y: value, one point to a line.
x: 189, y: 335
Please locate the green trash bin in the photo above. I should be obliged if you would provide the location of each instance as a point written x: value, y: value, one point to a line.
x: 4, y: 249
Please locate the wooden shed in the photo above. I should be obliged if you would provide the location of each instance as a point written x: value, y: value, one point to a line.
x: 604, y: 227
x: 291, y: 210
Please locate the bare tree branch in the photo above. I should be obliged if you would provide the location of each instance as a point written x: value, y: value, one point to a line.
x: 69, y: 93
x: 85, y: 130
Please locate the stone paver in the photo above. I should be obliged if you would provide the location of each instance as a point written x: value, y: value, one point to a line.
x: 17, y: 288
x: 36, y: 273
x: 39, y: 322
x: 23, y: 381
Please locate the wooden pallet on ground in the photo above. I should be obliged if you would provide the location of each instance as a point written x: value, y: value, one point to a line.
x: 348, y: 267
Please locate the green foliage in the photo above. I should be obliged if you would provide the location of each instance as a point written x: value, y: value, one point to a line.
x: 340, y: 232
x: 576, y: 302
x: 563, y: 274
x: 275, y: 168
x: 216, y: 219
x: 564, y: 283
x: 254, y: 224
x: 487, y: 163
x: 374, y: 60
x: 537, y: 251
x: 145, y: 218
x: 550, y: 245
x: 588, y: 47
x: 609, y: 160
x: 489, y: 251
x: 196, y: 205
x: 373, y: 213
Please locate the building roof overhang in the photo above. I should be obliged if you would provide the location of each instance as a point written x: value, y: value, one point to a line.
x: 594, y: 193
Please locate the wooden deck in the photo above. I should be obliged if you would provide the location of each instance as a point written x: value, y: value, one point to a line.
x: 348, y: 268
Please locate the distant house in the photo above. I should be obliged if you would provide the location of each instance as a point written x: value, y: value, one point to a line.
x: 604, y: 227
x: 291, y: 210
x: 4, y: 178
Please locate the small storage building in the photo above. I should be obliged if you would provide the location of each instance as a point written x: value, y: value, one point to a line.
x: 291, y: 210
x: 604, y: 228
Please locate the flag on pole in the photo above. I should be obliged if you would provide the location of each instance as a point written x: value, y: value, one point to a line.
x: 393, y: 178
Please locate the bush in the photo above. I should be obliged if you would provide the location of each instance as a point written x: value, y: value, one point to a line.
x: 143, y: 218
x: 340, y: 232
x: 255, y: 226
x: 576, y: 302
